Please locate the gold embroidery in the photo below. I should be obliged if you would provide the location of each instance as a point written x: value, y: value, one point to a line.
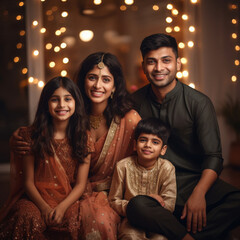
x: 103, y: 186
x: 94, y: 235
x: 111, y: 133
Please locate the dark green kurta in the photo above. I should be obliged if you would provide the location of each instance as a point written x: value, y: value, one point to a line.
x: 194, y: 143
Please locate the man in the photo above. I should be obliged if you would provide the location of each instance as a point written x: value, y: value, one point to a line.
x: 206, y: 206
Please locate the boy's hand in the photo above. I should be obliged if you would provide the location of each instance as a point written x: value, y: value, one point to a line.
x: 158, y: 198
x: 195, y: 211
x: 17, y: 144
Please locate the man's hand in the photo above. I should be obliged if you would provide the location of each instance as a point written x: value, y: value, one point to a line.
x: 195, y: 211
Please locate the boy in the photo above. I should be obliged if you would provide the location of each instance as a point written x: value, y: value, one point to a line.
x: 144, y: 174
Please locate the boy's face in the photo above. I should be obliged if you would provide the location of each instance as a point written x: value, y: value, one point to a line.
x: 149, y: 147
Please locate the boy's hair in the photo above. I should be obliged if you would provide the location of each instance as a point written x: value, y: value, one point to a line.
x: 152, y: 126
x: 157, y: 41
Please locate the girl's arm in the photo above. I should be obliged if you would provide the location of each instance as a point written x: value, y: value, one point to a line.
x: 31, y: 190
x: 82, y: 175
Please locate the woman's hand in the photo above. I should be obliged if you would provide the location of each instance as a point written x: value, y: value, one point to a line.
x: 17, y: 144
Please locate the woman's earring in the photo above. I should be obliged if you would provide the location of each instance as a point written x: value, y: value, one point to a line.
x: 112, y: 95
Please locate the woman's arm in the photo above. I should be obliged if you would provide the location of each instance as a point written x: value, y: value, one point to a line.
x: 31, y: 190
x: 58, y: 213
x: 17, y: 143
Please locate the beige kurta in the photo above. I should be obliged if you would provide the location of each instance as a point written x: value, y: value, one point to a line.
x: 130, y: 179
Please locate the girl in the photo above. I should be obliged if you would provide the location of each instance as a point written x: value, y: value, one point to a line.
x: 50, y: 180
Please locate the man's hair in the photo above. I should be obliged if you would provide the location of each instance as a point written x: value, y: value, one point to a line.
x: 153, y: 126
x: 157, y: 41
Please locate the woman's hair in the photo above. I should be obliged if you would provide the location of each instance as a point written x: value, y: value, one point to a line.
x: 120, y: 103
x: 153, y: 126
x: 43, y: 125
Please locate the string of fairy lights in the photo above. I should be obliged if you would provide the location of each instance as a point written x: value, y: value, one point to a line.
x: 175, y: 20
x: 234, y: 8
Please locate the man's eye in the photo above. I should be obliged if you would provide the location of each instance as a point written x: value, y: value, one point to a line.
x: 150, y: 62
x: 166, y: 60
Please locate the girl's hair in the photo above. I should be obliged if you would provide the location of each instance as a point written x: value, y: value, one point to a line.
x: 120, y: 103
x: 43, y: 125
x: 153, y: 126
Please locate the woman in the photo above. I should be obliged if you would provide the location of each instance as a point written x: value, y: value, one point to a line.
x: 112, y: 123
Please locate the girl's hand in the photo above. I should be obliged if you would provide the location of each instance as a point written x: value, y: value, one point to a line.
x: 158, y: 198
x: 17, y: 144
x: 57, y: 215
x: 46, y: 215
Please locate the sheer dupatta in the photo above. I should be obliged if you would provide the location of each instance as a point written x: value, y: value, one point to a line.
x: 50, y: 180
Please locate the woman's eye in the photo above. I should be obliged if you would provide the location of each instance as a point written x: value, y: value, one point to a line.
x: 106, y: 80
x: 68, y: 99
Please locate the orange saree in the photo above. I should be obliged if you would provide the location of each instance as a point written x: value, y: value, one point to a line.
x: 99, y: 220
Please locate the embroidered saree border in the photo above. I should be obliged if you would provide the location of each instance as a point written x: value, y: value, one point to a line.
x: 111, y: 133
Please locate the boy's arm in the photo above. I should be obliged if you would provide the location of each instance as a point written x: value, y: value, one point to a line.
x: 168, y: 190
x: 116, y: 194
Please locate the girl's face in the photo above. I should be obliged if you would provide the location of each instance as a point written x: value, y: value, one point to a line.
x: 99, y: 85
x: 61, y: 105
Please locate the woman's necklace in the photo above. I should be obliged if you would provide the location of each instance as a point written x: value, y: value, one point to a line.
x: 95, y: 121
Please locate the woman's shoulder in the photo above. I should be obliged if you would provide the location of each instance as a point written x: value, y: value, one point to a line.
x: 132, y: 116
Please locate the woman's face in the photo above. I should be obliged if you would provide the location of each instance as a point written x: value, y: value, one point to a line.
x: 99, y: 85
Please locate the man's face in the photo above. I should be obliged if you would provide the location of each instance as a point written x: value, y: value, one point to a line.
x: 161, y: 66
